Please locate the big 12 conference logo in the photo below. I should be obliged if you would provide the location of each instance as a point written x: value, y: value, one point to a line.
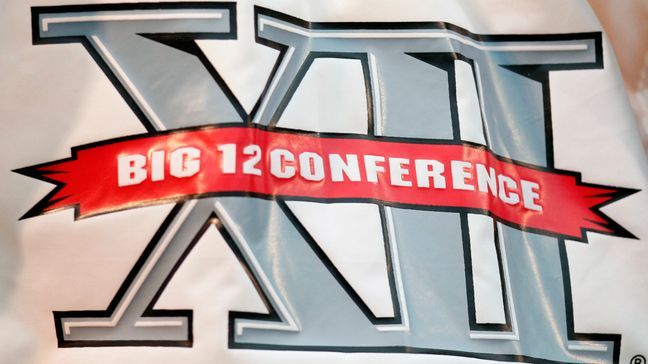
x: 450, y: 171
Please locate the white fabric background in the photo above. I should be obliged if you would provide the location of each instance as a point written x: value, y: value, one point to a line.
x: 54, y: 97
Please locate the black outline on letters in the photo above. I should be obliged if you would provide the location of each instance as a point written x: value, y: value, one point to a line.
x: 37, y: 39
x: 149, y: 311
x: 186, y: 43
x: 339, y: 277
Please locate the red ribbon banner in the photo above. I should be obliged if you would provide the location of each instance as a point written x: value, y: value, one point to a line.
x: 239, y: 160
